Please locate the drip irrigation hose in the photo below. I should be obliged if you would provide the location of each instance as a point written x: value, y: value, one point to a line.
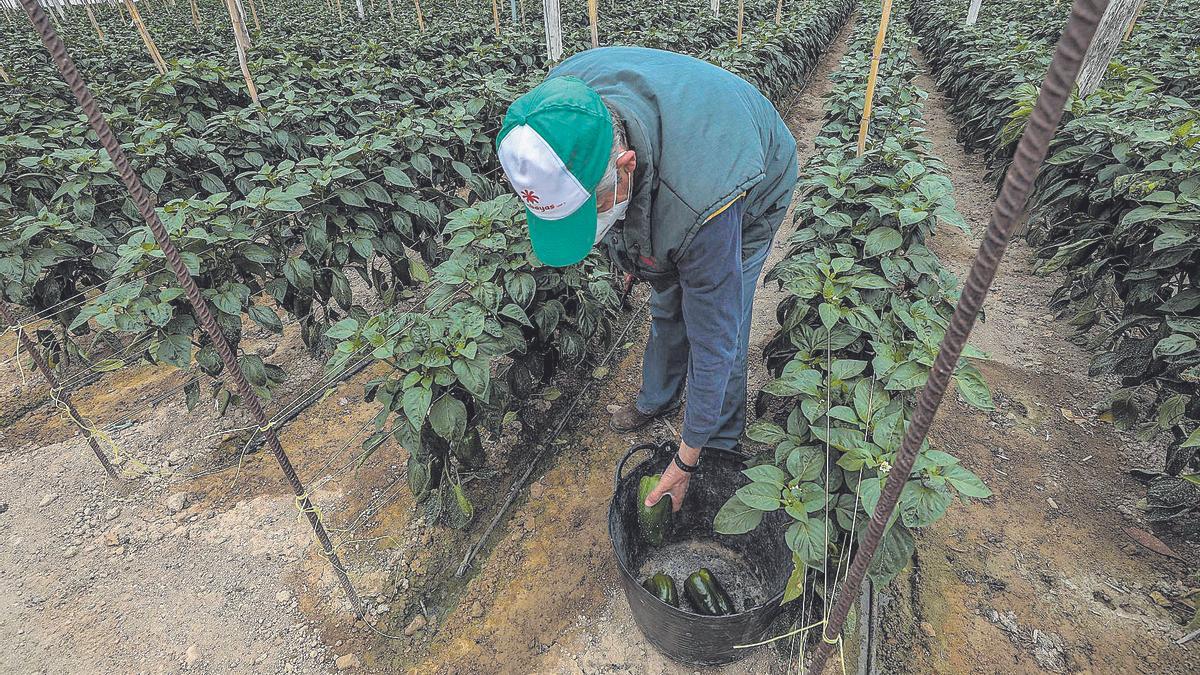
x: 66, y: 67
x: 1010, y: 204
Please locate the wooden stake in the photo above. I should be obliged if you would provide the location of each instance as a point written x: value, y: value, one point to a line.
x: 195, y: 15
x: 92, y: 18
x: 341, y: 14
x: 4, y: 76
x: 146, y: 39
x: 254, y: 13
x: 496, y: 17
x: 973, y: 12
x: 241, y: 44
x: 866, y: 116
x: 779, y: 13
x: 420, y: 16
x: 391, y: 11
x: 594, y: 19
x: 741, y: 16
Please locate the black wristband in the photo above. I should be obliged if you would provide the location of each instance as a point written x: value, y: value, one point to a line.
x: 684, y: 467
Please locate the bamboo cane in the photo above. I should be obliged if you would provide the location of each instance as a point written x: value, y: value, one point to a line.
x: 496, y: 17
x: 195, y: 15
x: 92, y: 18
x: 391, y: 11
x: 254, y: 14
x: 866, y: 116
x: 341, y: 13
x: 594, y: 19
x: 120, y: 14
x: 741, y: 17
x: 779, y: 12
x: 420, y: 16
x: 157, y: 58
x: 240, y: 44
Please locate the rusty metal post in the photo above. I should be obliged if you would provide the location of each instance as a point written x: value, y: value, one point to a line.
x: 141, y: 198
x: 1010, y: 204
x: 56, y: 390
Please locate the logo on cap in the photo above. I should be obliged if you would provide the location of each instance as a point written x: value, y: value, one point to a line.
x: 529, y: 196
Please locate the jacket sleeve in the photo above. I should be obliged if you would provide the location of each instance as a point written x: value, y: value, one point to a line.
x: 710, y: 274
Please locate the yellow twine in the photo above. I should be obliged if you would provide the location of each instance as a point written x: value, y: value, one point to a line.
x: 95, y: 432
x: 824, y: 638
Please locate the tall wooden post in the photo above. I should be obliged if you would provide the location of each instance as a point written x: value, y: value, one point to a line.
x: 496, y: 17
x: 715, y: 6
x: 254, y: 14
x: 1113, y: 25
x: 420, y: 16
x: 552, y: 17
x: 779, y: 12
x: 866, y: 116
x: 1133, y: 22
x: 242, y: 45
x: 973, y: 12
x: 391, y: 11
x: 594, y: 19
x: 195, y: 15
x: 92, y: 18
x: 157, y: 58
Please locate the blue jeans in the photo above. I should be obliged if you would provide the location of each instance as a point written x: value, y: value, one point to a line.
x: 665, y: 363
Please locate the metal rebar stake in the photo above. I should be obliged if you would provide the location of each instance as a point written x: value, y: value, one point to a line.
x: 66, y: 67
x: 56, y: 390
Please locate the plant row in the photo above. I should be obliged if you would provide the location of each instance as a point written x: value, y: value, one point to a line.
x: 1116, y: 209
x: 866, y: 307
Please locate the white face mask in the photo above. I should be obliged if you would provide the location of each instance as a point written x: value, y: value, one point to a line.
x: 605, y: 220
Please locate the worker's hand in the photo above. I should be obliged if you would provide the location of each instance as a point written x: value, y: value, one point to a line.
x: 674, y: 480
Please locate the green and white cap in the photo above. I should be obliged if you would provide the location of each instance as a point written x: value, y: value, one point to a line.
x: 554, y: 146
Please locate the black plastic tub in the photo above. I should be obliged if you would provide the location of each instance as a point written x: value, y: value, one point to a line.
x: 753, y: 567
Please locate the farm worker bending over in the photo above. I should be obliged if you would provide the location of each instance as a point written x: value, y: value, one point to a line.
x: 682, y: 171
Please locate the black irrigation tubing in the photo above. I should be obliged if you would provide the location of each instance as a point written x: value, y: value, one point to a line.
x: 66, y: 68
x: 1010, y: 204
x: 547, y: 440
x: 56, y: 391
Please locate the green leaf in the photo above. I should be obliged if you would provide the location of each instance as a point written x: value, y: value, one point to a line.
x: 175, y: 350
x: 266, y: 318
x: 415, y: 402
x: 448, y: 417
x: 761, y: 496
x: 1175, y: 345
x: 808, y: 539
x: 966, y: 482
x: 844, y: 369
x: 921, y: 504
x: 735, y: 517
x: 474, y: 374
x: 521, y: 287
x: 254, y: 368
x: 766, y: 473
x: 795, y: 583
x: 397, y: 177
x: 515, y: 313
x: 342, y: 329
x: 881, y: 240
x: 894, y: 552
x: 973, y: 389
x: 153, y: 178
x: 764, y: 431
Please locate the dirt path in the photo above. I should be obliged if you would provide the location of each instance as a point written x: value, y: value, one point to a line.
x: 548, y: 599
x: 1040, y: 578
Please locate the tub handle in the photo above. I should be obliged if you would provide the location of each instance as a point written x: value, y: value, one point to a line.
x: 656, y: 448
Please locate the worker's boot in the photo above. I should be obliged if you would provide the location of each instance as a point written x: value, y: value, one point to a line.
x: 629, y: 418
